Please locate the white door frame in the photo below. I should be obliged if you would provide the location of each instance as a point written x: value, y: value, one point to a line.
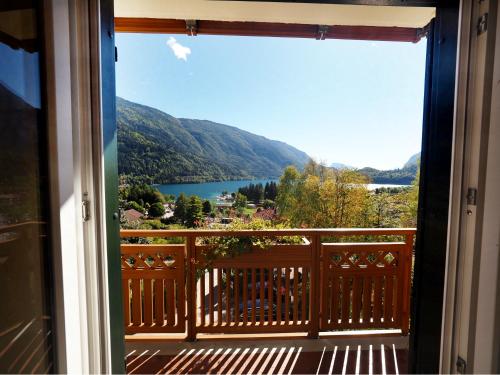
x: 471, y: 306
x: 79, y: 257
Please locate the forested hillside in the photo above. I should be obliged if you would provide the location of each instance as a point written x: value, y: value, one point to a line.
x: 399, y: 176
x: 154, y: 147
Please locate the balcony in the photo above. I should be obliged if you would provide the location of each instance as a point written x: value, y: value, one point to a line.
x: 347, y: 288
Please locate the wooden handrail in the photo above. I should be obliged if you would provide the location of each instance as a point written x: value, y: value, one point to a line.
x: 124, y: 233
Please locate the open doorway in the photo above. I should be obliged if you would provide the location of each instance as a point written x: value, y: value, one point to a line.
x: 262, y: 274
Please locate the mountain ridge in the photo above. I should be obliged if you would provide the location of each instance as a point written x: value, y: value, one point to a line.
x: 397, y: 176
x: 156, y: 147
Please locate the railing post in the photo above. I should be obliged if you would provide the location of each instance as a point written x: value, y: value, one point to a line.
x: 314, y: 293
x: 191, y: 288
x: 407, y: 262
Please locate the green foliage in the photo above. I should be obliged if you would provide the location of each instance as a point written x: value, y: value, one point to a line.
x: 322, y: 197
x: 207, y: 207
x: 268, y: 203
x: 134, y: 205
x: 230, y: 247
x: 154, y: 147
x: 156, y: 210
x: 180, y: 211
x: 253, y: 192
x: 141, y: 194
x: 189, y: 211
x: 194, y: 214
x: 270, y: 190
x: 240, y: 202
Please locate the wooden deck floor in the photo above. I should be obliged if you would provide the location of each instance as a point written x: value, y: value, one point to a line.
x: 284, y: 357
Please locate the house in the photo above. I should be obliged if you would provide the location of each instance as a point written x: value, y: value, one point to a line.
x: 132, y: 215
x: 72, y: 301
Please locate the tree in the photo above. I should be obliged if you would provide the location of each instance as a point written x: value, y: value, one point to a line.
x: 156, y: 210
x: 268, y: 204
x: 270, y: 190
x: 134, y: 205
x: 207, y: 207
x: 322, y: 197
x: 180, y: 211
x: 410, y: 215
x: 194, y: 213
x: 240, y: 202
x: 145, y: 193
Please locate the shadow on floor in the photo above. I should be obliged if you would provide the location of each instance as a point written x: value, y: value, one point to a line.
x: 278, y: 359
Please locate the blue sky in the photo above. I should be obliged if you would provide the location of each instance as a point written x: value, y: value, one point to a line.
x: 353, y: 102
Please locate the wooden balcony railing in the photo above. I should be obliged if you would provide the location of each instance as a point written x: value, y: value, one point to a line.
x: 333, y: 280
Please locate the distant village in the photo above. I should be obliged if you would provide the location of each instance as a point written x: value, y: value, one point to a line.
x: 143, y: 206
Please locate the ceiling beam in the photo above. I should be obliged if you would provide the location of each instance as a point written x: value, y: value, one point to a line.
x: 171, y: 26
x: 403, y: 3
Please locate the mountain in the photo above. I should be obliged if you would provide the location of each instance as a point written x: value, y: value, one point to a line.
x: 341, y: 166
x: 158, y: 148
x: 399, y: 176
x: 413, y: 160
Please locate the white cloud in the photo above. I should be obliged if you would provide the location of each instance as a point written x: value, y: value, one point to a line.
x: 179, y: 50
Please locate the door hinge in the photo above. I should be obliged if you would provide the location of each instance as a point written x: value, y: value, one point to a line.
x: 461, y: 365
x: 482, y: 24
x: 471, y: 196
x: 85, y: 207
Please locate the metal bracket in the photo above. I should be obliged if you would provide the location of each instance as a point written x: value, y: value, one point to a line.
x: 482, y: 24
x: 461, y: 365
x: 85, y: 207
x: 192, y: 27
x: 422, y: 32
x: 322, y: 30
x: 471, y: 196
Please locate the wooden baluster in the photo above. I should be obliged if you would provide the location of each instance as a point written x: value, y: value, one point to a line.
x: 245, y: 297
x: 314, y: 297
x: 396, y: 301
x: 335, y: 296
x: 159, y: 303
x: 406, y: 264
x: 279, y: 296
x: 346, y: 301
x: 388, y: 294
x: 169, y: 287
x: 236, y: 315
x: 287, y: 295
x: 356, y: 300
x: 148, y: 302
x: 367, y: 301
x: 136, y: 302
x: 191, y: 287
x: 202, y: 298
x: 211, y: 296
x: 219, y: 296
x: 377, y: 301
x: 303, y: 299
x: 254, y: 296
x: 327, y: 295
x: 295, y: 295
x: 270, y: 284
x: 126, y: 302
x: 228, y: 298
x: 262, y: 296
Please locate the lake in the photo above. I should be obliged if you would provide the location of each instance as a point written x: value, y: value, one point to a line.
x: 210, y: 190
